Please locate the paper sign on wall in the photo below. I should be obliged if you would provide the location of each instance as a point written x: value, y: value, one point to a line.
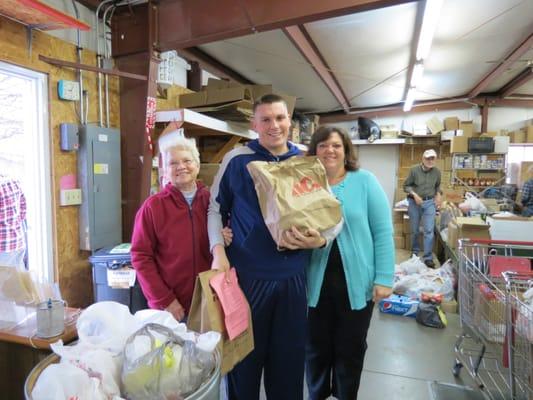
x: 101, y: 169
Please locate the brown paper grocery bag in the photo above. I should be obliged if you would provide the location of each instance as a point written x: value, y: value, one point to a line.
x: 206, y: 315
x: 294, y: 192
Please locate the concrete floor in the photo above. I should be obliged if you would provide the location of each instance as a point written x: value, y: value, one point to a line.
x: 404, y: 357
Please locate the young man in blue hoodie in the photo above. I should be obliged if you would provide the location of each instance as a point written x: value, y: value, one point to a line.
x: 273, y: 281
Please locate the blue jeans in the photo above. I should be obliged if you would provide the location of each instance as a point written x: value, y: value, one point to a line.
x: 426, y: 213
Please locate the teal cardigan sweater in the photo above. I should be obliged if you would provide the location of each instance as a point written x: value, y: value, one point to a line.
x: 365, y: 242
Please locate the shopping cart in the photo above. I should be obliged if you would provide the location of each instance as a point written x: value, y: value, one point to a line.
x: 491, y: 348
x: 519, y: 334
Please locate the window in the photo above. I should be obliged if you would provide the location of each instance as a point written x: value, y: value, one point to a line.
x: 25, y: 156
x: 518, y: 156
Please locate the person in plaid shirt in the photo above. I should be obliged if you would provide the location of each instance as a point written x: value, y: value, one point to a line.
x: 527, y: 195
x: 12, y: 220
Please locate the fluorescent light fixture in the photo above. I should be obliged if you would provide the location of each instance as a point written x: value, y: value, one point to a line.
x: 409, y: 99
x: 429, y: 24
x: 416, y: 77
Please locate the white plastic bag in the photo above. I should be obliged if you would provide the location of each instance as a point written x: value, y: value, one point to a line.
x: 106, y: 325
x: 66, y: 381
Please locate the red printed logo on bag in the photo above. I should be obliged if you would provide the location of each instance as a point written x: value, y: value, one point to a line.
x: 305, y: 186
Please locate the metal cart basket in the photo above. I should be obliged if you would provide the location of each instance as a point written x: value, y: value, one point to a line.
x: 496, y: 345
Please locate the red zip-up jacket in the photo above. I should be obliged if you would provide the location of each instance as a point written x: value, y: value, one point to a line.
x: 170, y: 246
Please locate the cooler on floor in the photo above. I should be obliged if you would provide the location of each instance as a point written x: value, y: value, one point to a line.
x: 114, y: 279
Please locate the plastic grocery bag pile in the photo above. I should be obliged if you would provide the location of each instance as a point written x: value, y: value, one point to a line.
x: 412, y: 278
x: 148, y: 355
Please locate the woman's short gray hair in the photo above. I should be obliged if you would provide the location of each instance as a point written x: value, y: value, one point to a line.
x: 174, y: 140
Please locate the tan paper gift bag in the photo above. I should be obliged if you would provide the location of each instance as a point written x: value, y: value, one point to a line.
x: 294, y: 192
x: 206, y: 315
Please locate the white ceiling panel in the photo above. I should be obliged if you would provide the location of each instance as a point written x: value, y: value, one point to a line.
x: 270, y: 57
x: 512, y: 71
x: 369, y: 53
x: 470, y: 34
x: 368, y: 49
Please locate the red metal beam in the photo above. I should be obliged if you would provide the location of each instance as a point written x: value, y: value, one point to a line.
x: 485, y: 116
x: 514, y: 55
x: 520, y: 80
x: 185, y: 24
x: 212, y: 65
x: 453, y: 103
x: 301, y: 39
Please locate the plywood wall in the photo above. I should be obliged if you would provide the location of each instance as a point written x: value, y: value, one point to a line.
x: 72, y: 268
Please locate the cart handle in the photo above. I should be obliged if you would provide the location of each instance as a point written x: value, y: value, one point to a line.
x: 489, y: 241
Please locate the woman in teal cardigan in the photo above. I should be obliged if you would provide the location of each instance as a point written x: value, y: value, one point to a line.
x: 350, y: 274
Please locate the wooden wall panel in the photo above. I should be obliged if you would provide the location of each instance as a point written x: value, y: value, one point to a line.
x: 72, y: 268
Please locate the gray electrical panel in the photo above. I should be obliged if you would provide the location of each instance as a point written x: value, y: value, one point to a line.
x: 99, y: 179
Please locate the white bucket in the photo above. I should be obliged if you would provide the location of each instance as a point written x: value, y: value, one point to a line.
x: 50, y: 318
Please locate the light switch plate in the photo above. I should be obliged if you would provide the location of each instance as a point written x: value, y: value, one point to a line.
x: 68, y: 90
x: 70, y: 197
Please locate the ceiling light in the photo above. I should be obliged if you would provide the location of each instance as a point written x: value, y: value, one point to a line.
x: 409, y: 99
x: 416, y: 76
x: 429, y: 24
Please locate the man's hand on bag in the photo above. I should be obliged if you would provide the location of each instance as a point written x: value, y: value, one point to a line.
x: 293, y: 239
x: 220, y: 260
x: 176, y: 309
x: 380, y: 292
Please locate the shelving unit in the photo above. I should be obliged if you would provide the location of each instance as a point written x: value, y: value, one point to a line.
x: 199, y: 124
x: 478, y: 171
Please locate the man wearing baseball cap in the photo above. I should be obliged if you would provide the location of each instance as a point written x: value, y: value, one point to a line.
x: 423, y: 192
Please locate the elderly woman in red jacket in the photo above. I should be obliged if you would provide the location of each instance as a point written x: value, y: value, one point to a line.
x: 170, y: 245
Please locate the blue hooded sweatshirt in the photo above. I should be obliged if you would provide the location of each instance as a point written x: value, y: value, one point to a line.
x: 252, y: 252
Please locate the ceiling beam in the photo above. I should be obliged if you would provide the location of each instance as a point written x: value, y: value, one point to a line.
x: 185, y: 24
x: 453, y: 103
x: 301, y: 39
x: 520, y: 80
x: 496, y: 72
x: 212, y: 65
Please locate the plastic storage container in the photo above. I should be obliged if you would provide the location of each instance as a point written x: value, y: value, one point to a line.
x: 114, y: 278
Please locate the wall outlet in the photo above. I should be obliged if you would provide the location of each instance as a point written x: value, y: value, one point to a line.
x: 70, y: 197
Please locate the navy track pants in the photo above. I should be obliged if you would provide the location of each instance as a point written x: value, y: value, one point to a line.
x: 279, y: 322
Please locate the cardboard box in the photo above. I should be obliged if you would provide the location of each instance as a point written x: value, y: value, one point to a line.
x: 467, y: 228
x: 406, y: 224
x: 455, y: 196
x: 511, y: 228
x: 434, y: 125
x: 524, y: 176
x: 501, y: 144
x: 450, y: 306
x: 398, y: 228
x: 399, y: 305
x: 448, y: 163
x: 399, y: 242
x: 518, y: 136
x: 459, y: 144
x: 207, y: 173
x: 451, y: 123
x: 219, y: 91
x: 397, y: 217
x: 403, y: 172
x: 467, y: 127
x: 529, y: 134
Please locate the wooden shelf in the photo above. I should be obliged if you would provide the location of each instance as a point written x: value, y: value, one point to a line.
x: 378, y: 141
x: 201, y: 124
